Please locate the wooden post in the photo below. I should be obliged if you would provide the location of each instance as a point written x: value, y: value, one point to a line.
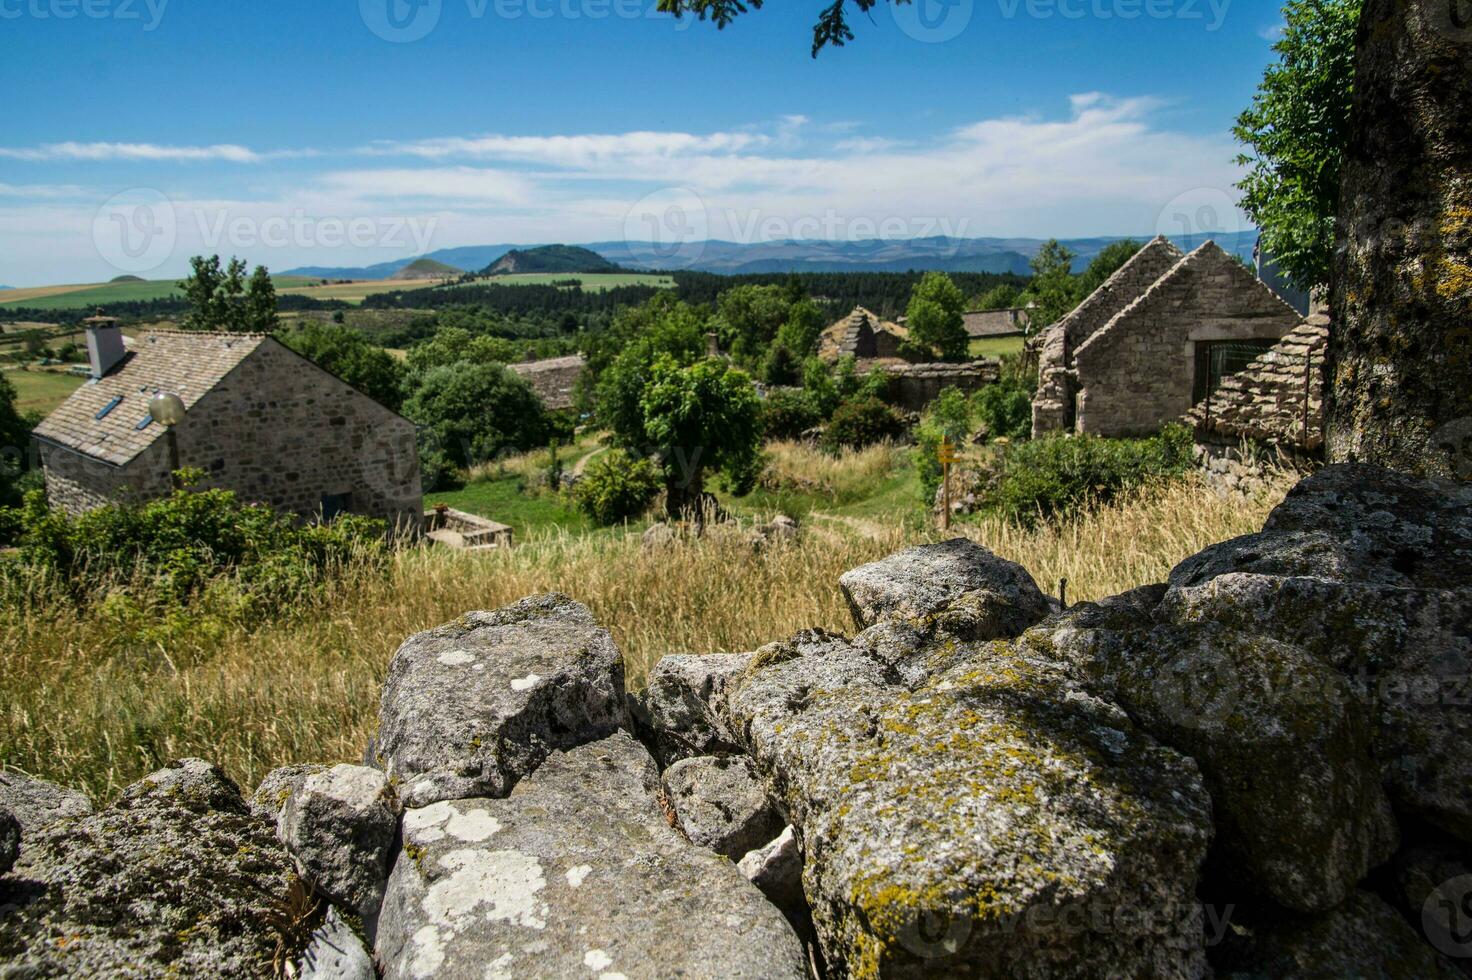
x: 947, y: 456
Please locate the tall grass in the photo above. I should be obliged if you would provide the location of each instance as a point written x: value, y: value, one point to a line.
x: 843, y: 478
x: 79, y: 708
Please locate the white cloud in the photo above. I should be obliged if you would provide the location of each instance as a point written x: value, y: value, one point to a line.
x: 469, y: 184
x: 40, y: 191
x: 572, y: 151
x: 1271, y: 33
x: 153, y: 152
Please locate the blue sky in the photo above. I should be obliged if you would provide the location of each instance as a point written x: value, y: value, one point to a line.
x: 138, y: 132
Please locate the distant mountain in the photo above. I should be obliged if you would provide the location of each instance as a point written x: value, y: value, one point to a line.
x: 126, y: 279
x: 428, y: 269
x: 944, y: 254
x: 7, y: 287
x: 550, y: 258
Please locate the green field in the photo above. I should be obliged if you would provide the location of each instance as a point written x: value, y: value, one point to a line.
x: 592, y: 282
x: 99, y: 294
x: 995, y: 346
x: 352, y: 292
x: 42, y: 391
x: 503, y: 501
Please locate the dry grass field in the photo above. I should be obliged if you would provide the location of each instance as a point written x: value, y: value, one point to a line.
x: 81, y: 706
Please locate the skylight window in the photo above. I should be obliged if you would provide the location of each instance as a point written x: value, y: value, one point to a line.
x: 144, y: 423
x: 103, y: 412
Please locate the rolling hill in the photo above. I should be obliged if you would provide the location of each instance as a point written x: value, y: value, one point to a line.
x: 550, y: 258
x: 427, y: 269
x: 944, y: 254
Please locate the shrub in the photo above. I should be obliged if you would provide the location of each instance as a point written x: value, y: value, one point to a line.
x: 1005, y: 410
x: 862, y: 422
x: 1053, y: 476
x: 168, y: 552
x: 788, y: 414
x: 950, y: 415
x: 616, y: 487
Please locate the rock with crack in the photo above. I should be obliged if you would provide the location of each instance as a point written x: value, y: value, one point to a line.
x: 720, y: 804
x: 9, y: 840
x: 990, y: 823
x: 982, y: 596
x: 576, y: 874
x: 1364, y: 937
x: 35, y: 803
x: 335, y: 952
x: 1371, y: 572
x: 1281, y: 739
x: 176, y: 878
x: 776, y: 869
x: 673, y: 713
x: 340, y: 827
x: 280, y: 785
x: 471, y: 707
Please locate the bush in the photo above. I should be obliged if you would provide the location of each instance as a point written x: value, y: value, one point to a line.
x: 616, y: 487
x: 1005, y: 410
x: 950, y: 415
x: 788, y: 414
x: 862, y: 422
x: 1053, y: 476
x: 169, y: 552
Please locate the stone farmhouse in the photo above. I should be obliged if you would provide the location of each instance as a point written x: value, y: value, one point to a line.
x: 555, y: 380
x: 1153, y: 340
x: 259, y: 419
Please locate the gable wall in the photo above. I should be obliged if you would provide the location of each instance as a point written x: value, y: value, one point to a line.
x: 1053, y: 405
x: 1137, y: 373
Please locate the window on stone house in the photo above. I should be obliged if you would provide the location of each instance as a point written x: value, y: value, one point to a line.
x: 1218, y: 359
x: 334, y: 504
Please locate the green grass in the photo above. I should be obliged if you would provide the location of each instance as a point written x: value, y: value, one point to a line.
x: 995, y: 346
x: 42, y: 391
x: 87, y: 296
x: 592, y: 282
x: 502, y: 500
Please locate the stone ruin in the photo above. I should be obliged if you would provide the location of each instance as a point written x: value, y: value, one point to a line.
x: 1257, y: 768
x: 1125, y: 361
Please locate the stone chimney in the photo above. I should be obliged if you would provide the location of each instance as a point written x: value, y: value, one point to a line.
x: 104, y: 344
x: 712, y: 345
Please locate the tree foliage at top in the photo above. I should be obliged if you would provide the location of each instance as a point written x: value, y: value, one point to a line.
x: 349, y: 355
x: 221, y: 298
x: 1053, y: 290
x: 699, y: 417
x: 831, y: 28
x: 1296, y: 131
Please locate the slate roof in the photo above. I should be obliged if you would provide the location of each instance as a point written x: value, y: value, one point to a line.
x: 1265, y: 400
x: 996, y: 323
x: 554, y: 379
x: 188, y: 364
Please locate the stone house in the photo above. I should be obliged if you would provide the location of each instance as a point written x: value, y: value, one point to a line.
x: 1153, y: 340
x: 863, y: 336
x: 1271, y: 412
x: 555, y: 380
x: 260, y: 420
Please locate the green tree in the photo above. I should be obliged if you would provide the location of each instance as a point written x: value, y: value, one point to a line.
x: 934, y: 318
x: 15, y: 439
x: 831, y: 28
x: 470, y: 413
x: 1053, y: 288
x: 660, y: 328
x: 616, y: 487
x: 1109, y: 261
x: 1295, y: 131
x: 220, y: 298
x: 349, y: 355
x: 801, y: 331
x: 748, y: 318
x: 1003, y: 297
x: 702, y: 417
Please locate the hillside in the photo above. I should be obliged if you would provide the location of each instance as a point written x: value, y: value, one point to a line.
x: 427, y: 268
x: 550, y: 258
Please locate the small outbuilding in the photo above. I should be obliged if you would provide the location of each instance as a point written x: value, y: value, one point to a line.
x: 257, y: 418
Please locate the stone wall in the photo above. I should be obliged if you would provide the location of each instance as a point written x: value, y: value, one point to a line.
x: 914, y: 386
x: 1138, y: 372
x: 1245, y: 466
x: 1053, y: 406
x: 276, y: 430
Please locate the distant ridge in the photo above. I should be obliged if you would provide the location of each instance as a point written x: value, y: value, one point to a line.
x: 126, y: 278
x: 550, y: 258
x: 919, y: 254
